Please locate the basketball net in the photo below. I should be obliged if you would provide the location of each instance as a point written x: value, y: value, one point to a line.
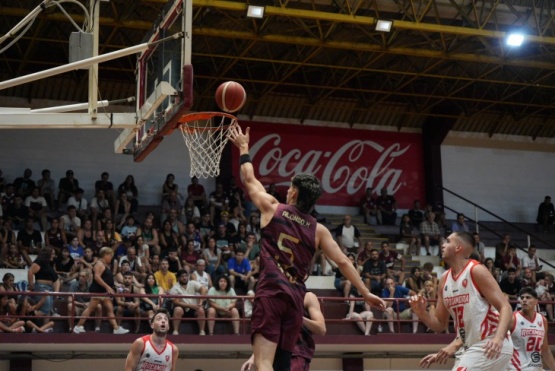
x: 205, y: 135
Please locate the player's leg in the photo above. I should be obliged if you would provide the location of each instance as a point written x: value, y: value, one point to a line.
x: 264, y: 352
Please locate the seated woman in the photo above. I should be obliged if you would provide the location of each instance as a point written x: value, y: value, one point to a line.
x: 8, y: 319
x: 415, y: 282
x: 8, y: 287
x: 430, y: 293
x: 123, y: 210
x: 225, y: 308
x: 409, y: 235
x: 360, y: 312
x: 189, y: 257
x: 13, y: 258
x: 27, y: 311
x: 128, y: 187
x: 149, y: 304
x: 65, y: 266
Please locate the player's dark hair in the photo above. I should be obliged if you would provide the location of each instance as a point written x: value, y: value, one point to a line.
x: 528, y: 290
x: 466, y: 238
x: 309, y: 190
x: 157, y: 311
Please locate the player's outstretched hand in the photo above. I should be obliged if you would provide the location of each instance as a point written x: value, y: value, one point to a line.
x: 493, y: 348
x: 249, y: 365
x: 429, y: 360
x: 237, y: 137
x: 375, y: 301
x: 418, y: 304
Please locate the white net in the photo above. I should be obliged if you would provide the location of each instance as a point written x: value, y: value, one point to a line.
x: 205, y: 135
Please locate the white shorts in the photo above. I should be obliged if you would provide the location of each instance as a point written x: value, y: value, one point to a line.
x: 474, y: 358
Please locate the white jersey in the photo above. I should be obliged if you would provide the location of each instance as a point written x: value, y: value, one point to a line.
x: 475, y: 319
x: 527, y: 339
x: 154, y: 360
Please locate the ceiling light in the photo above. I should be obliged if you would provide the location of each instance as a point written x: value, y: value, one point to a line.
x: 383, y: 25
x: 515, y: 39
x: 254, y: 11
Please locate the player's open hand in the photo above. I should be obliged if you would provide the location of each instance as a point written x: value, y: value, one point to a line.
x: 375, y: 301
x: 237, y: 137
x: 493, y: 348
x: 429, y: 360
x: 418, y: 304
x: 249, y: 365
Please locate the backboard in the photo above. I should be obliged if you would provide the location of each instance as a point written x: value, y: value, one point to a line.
x: 164, y: 78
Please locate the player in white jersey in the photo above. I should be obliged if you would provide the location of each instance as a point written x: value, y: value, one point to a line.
x: 529, y: 330
x: 470, y: 294
x: 153, y: 352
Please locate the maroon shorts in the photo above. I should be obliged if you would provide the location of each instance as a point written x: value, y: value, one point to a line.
x: 300, y: 364
x: 278, y: 319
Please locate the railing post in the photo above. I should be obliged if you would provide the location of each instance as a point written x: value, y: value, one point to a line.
x: 476, y: 219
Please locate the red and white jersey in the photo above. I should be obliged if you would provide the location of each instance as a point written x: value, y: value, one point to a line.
x: 475, y: 319
x: 153, y: 359
x: 527, y: 341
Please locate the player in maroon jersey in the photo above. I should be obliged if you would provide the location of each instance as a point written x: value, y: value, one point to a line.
x: 289, y: 238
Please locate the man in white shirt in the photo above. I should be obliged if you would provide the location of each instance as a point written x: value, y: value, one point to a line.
x: 348, y: 236
x: 188, y: 307
x: 531, y: 261
x: 37, y: 208
x: 70, y: 222
x: 80, y: 204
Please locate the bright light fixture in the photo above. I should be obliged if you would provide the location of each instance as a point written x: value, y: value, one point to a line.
x: 515, y: 39
x: 254, y: 11
x: 383, y: 25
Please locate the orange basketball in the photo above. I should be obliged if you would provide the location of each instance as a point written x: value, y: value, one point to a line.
x: 231, y: 96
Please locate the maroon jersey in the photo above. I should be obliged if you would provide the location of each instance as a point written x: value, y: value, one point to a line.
x: 305, y: 344
x: 287, y: 247
x: 390, y: 259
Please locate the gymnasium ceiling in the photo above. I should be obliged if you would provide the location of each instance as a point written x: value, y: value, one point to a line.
x: 322, y: 60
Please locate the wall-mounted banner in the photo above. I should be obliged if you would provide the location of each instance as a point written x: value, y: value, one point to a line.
x: 347, y: 161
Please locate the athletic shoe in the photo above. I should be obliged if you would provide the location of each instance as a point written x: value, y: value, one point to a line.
x: 19, y: 329
x: 175, y: 332
x: 202, y: 333
x: 121, y: 331
x: 79, y: 329
x: 97, y: 329
x: 48, y: 330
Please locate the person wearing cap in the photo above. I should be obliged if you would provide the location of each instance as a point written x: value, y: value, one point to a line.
x: 67, y: 187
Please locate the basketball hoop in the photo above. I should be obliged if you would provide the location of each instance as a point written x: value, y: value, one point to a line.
x: 205, y: 135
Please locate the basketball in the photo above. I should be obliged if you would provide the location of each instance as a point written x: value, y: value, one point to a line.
x: 231, y: 96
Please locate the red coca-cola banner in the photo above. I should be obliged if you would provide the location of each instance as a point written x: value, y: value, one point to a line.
x: 347, y: 161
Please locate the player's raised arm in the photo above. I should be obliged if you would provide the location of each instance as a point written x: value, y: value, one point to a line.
x: 325, y: 241
x: 134, y: 355
x: 261, y: 199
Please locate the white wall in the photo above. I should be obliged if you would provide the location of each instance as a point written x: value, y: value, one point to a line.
x: 510, y: 183
x: 90, y: 152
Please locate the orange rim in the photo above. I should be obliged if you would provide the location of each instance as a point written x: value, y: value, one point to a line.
x: 193, y: 118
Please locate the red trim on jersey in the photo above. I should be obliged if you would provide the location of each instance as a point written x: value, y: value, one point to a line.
x: 514, y: 324
x: 148, y: 338
x: 462, y: 270
x: 515, y: 360
x: 533, y: 319
x: 472, y: 278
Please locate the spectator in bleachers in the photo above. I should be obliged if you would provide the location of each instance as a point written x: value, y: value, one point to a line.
x: 103, y: 284
x: 546, y: 292
x: 85, y: 235
x: 240, y: 272
x: 218, y: 202
x: 38, y: 208
x: 18, y: 213
x: 130, y: 189
x: 240, y: 238
x: 490, y: 265
x: 129, y: 229
x: 501, y: 249
x: 212, y: 255
x: 272, y: 191
x: 222, y: 236
x: 13, y: 258
x: 8, y: 196
x: 122, y: 210
x: 205, y: 227
x: 67, y: 187
x: 142, y: 252
x: 398, y: 309
x: 374, y: 272
x: 28, y: 312
x: 527, y: 279
x: 7, y: 237
x: 530, y: 260
x: 427, y: 273
x: 479, y: 249
x: 511, y: 260
x: 238, y: 217
x: 223, y: 307
x: 171, y: 201
x: 70, y: 222
x: 348, y: 235
x: 409, y: 235
x: 89, y: 259
x: 112, y: 237
x: 370, y: 208
x: 189, y: 256
x: 168, y: 238
x: 150, y: 304
x: 364, y: 254
x: 188, y: 307
x: 64, y: 266
x: 342, y: 284
x: 361, y: 312
x: 546, y: 215
x: 254, y: 224
x: 46, y: 186
x: 128, y: 306
x: 9, y: 322
x: 192, y: 234
x: 388, y: 207
x: 99, y: 203
x: 459, y: 225
x: 170, y: 187
x: 230, y: 227
x: 416, y: 214
x: 511, y: 285
x: 174, y: 261
x: 107, y: 189
x: 415, y: 281
x: 389, y: 257
x: 77, y: 303
x: 29, y: 241
x: 81, y: 204
x: 177, y: 226
x: 119, y: 278
x: 135, y: 264
x: 75, y: 250
x: 150, y: 235
x: 430, y: 233
x: 252, y: 247
x: 55, y: 237
x: 101, y: 221
x: 43, y: 278
x: 430, y: 293
x: 200, y: 275
x: 196, y: 192
x: 191, y: 211
x: 23, y: 185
